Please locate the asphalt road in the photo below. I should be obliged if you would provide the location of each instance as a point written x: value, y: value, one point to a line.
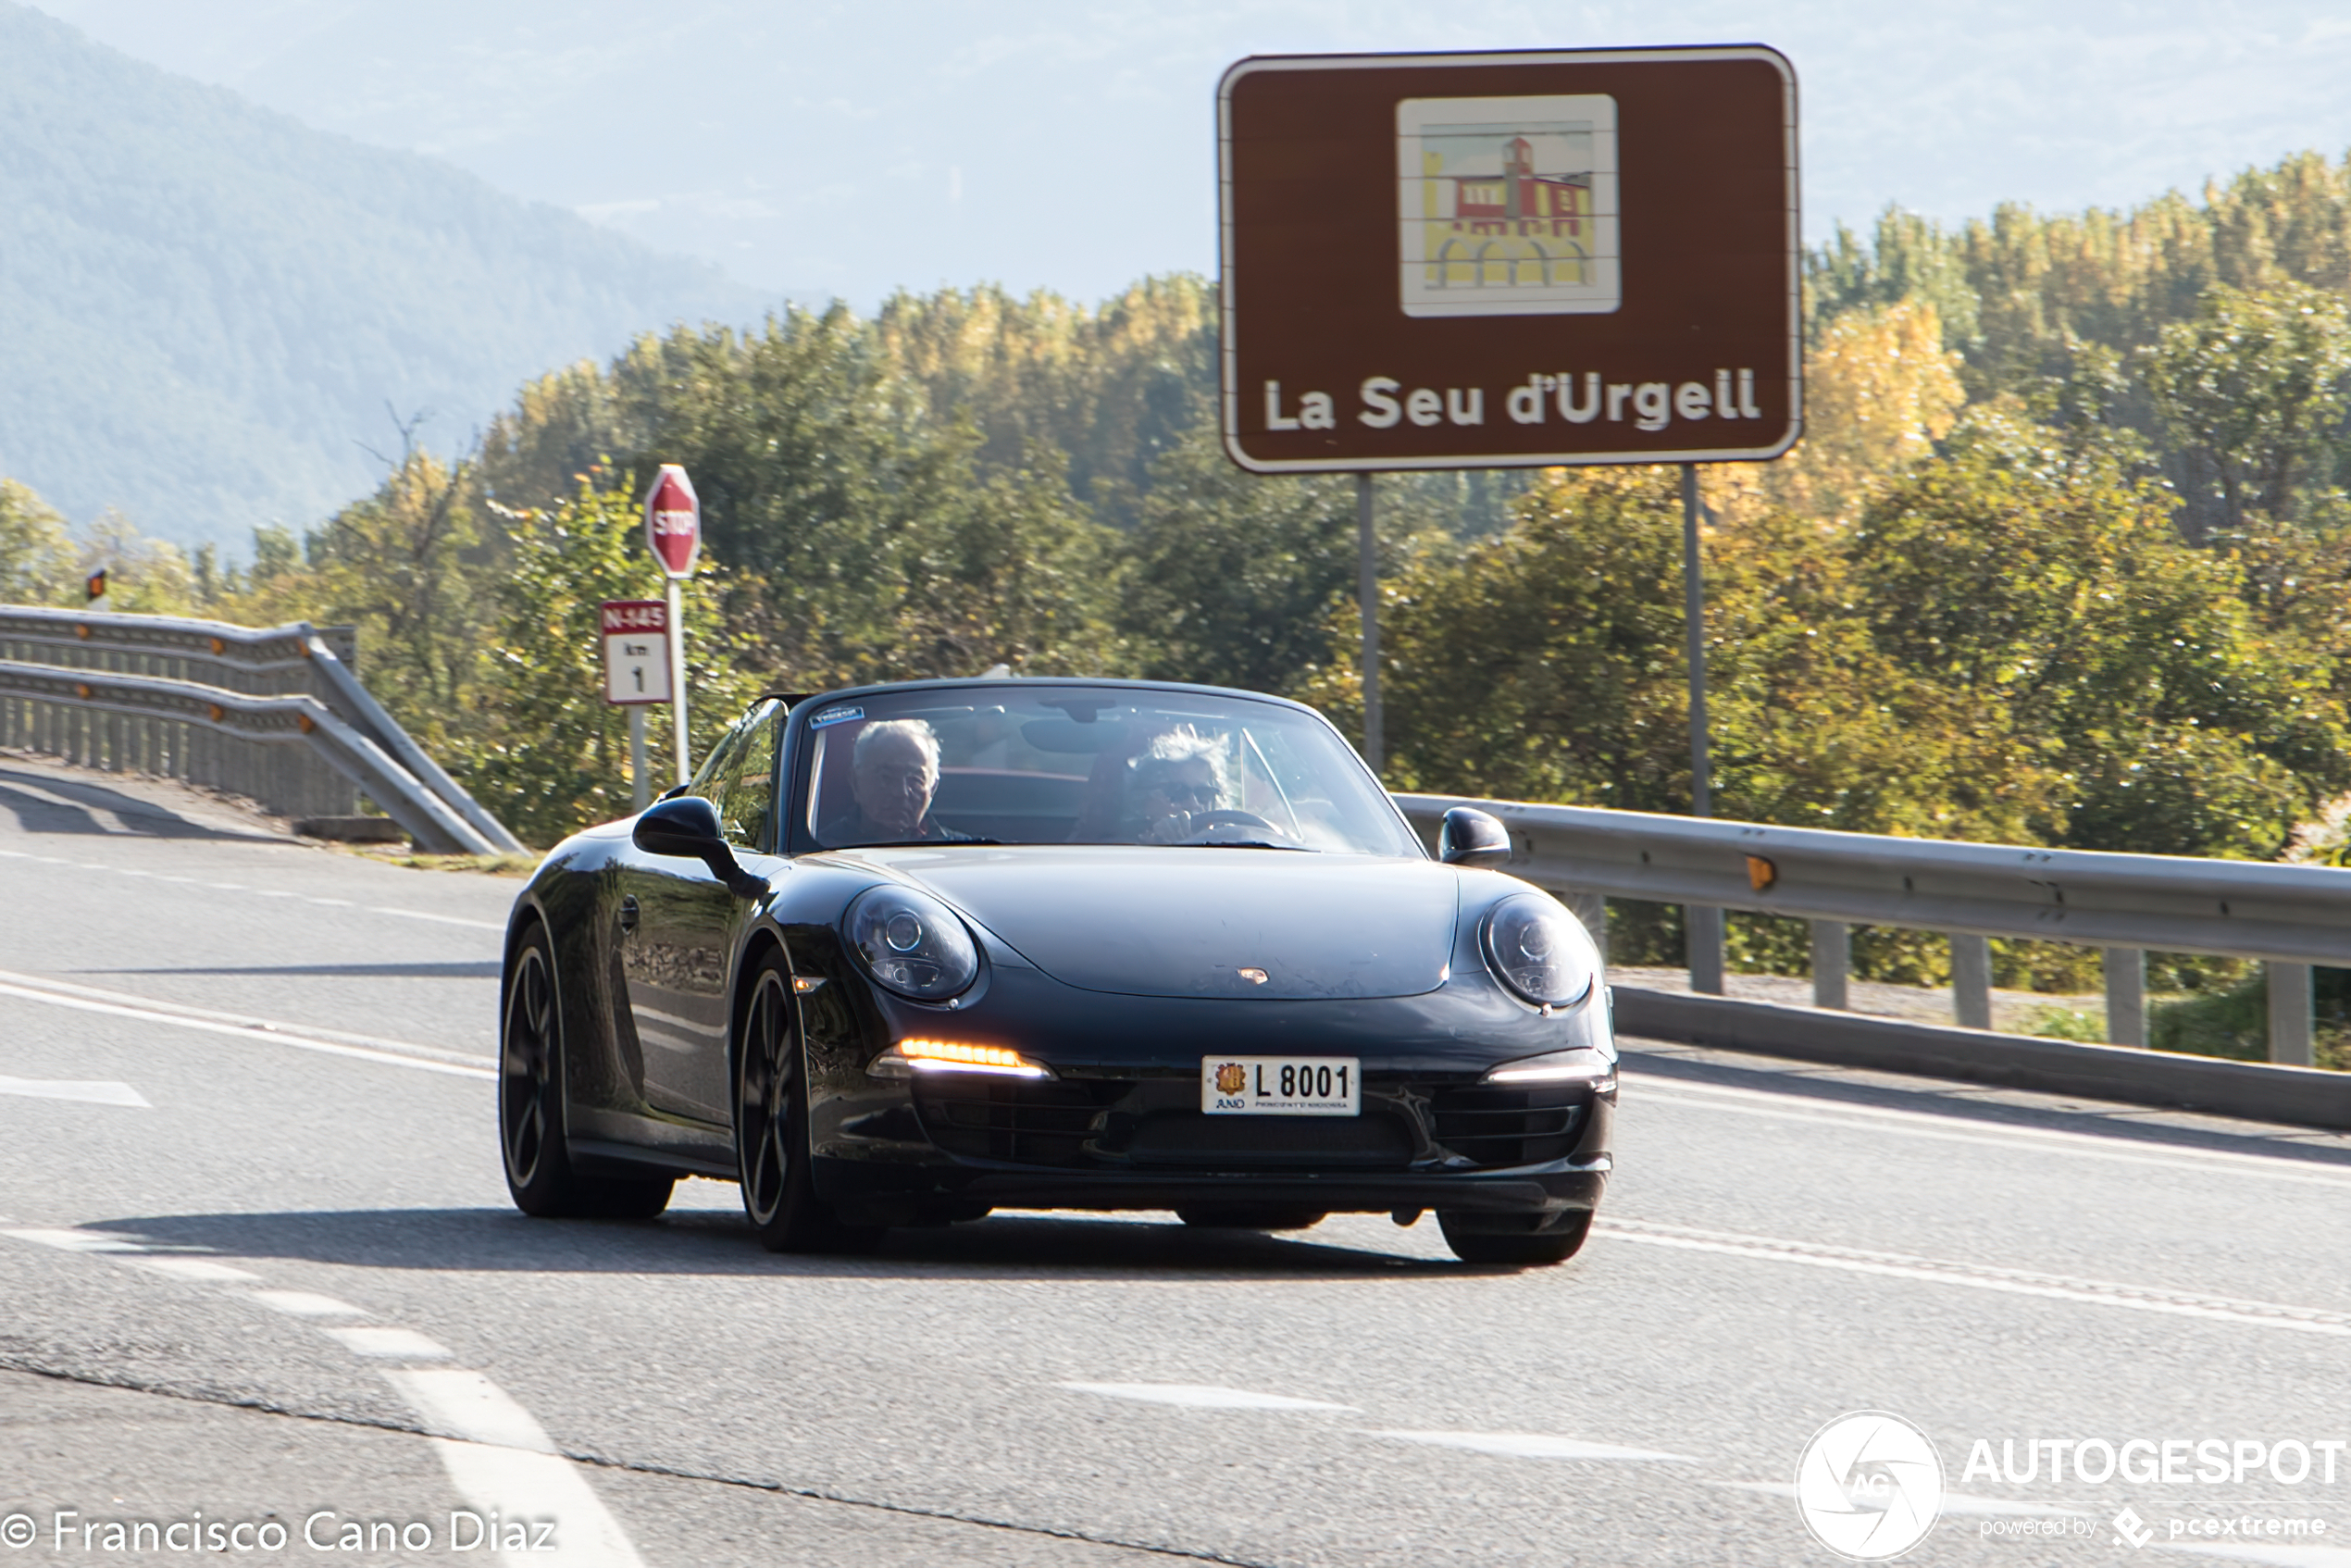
x: 258, y: 1265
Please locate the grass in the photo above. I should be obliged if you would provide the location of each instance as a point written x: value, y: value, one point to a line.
x: 2235, y: 1024
x: 480, y: 865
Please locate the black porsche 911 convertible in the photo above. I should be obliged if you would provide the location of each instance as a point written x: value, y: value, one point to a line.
x: 904, y: 955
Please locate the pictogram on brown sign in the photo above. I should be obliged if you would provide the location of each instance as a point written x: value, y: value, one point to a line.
x: 1453, y: 261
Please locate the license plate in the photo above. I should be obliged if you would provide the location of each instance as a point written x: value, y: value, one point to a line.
x: 1281, y: 1086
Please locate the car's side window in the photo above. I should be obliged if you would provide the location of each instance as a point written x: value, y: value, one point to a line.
x: 715, y: 781
x: 750, y: 805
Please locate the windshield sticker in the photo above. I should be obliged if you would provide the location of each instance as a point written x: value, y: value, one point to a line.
x: 835, y: 716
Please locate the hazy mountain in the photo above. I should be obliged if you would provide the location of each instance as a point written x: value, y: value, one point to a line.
x: 205, y: 307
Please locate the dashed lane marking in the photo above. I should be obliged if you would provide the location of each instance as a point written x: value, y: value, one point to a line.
x: 201, y: 1270
x: 498, y: 1456
x: 1532, y: 1445
x: 1979, y: 1277
x: 1790, y: 1107
x: 502, y: 1459
x: 93, y: 1094
x: 391, y: 1344
x: 68, y: 1240
x: 305, y: 1304
x: 274, y: 1034
x: 1200, y: 1396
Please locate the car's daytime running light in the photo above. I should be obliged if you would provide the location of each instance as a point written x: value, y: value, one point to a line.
x: 954, y: 1056
x: 1580, y: 1065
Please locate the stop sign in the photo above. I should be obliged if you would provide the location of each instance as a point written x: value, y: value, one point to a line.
x: 672, y: 521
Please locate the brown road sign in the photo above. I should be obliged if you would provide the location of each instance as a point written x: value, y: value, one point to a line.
x: 1456, y: 261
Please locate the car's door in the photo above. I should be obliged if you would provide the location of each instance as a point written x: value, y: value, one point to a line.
x: 679, y: 925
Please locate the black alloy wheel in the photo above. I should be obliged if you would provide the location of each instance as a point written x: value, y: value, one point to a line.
x: 771, y: 1129
x: 1513, y: 1242
x: 1247, y: 1216
x: 530, y: 1107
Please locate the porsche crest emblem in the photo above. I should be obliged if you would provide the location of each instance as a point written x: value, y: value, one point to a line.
x: 1231, y: 1078
x: 1255, y: 977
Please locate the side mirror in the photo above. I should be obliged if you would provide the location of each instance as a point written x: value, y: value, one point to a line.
x: 1471, y: 837
x: 686, y: 827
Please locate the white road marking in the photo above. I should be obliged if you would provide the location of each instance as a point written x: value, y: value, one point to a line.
x: 502, y: 1459
x: 269, y: 1032
x: 1953, y: 1503
x: 70, y: 1241
x: 391, y: 1344
x: 2282, y: 1556
x: 1200, y: 1396
x: 181, y: 1010
x: 199, y: 1269
x: 264, y: 892
x: 1531, y: 1445
x: 1922, y: 1124
x: 93, y: 1093
x: 307, y: 1303
x: 443, y: 919
x: 1978, y: 1276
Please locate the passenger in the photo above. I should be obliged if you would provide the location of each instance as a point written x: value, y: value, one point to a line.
x: 893, y: 774
x: 1178, y: 778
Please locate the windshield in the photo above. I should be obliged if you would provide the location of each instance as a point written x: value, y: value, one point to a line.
x: 1053, y: 764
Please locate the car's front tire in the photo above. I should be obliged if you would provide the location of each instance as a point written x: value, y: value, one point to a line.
x: 771, y: 1128
x: 1484, y: 1239
x: 539, y: 1175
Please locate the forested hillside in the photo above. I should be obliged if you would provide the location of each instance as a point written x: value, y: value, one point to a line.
x: 2064, y: 559
x: 205, y: 307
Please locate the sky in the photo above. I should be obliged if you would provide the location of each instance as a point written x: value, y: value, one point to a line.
x: 819, y: 149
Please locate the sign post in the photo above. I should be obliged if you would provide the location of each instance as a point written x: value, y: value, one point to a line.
x: 1512, y: 260
x: 673, y: 528
x: 637, y: 673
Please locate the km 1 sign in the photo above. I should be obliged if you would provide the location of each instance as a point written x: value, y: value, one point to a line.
x: 636, y: 634
x: 1453, y: 261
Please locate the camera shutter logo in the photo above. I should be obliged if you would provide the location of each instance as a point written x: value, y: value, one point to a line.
x: 1870, y: 1485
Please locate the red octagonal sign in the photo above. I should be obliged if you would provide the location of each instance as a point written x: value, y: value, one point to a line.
x: 672, y: 521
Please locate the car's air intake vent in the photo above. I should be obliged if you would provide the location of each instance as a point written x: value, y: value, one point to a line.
x: 1227, y: 1143
x: 1497, y: 1127
x: 1029, y: 1123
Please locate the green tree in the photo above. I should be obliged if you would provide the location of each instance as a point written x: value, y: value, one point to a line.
x: 542, y: 751
x: 2254, y: 393
x: 36, y: 553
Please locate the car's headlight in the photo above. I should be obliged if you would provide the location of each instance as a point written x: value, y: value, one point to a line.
x: 1540, y: 951
x: 912, y: 943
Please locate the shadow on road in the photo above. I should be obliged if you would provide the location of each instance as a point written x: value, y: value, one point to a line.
x: 46, y: 802
x: 711, y: 1242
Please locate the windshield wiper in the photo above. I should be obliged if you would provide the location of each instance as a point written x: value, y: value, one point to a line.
x: 1246, y: 844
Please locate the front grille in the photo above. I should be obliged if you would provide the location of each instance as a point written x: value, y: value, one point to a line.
x: 1028, y: 1122
x: 1371, y: 1141
x: 1494, y: 1126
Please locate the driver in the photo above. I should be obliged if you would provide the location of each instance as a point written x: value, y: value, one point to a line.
x: 893, y: 773
x: 1177, y: 778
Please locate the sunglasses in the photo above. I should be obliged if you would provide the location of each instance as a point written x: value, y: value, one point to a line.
x: 1176, y: 790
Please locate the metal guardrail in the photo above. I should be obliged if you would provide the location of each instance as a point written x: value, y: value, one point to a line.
x: 2288, y: 917
x: 276, y: 715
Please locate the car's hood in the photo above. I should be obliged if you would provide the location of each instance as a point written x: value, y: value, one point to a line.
x: 1190, y: 922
